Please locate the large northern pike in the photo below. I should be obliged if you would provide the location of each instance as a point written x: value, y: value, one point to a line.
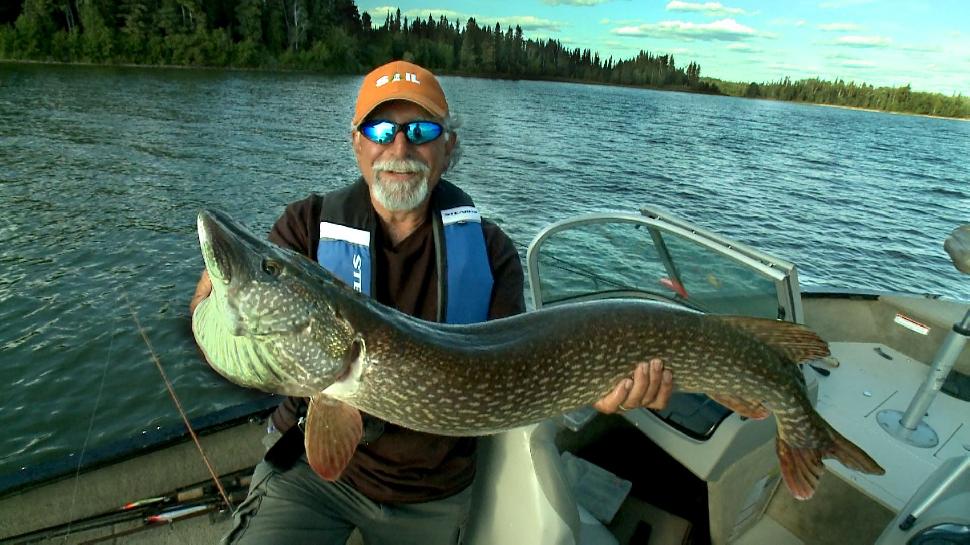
x: 278, y: 322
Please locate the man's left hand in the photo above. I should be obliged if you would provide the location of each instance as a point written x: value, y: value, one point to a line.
x: 650, y: 387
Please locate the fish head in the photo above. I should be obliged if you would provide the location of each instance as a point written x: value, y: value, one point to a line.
x: 279, y: 298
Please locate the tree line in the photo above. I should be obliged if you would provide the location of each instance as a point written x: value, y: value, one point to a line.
x: 839, y: 93
x: 334, y: 36
x: 324, y: 35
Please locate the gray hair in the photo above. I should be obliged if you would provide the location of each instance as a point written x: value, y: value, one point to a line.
x: 452, y: 123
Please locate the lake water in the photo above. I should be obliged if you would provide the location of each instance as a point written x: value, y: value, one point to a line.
x: 102, y: 172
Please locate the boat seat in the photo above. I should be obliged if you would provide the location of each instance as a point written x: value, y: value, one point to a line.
x: 521, y: 494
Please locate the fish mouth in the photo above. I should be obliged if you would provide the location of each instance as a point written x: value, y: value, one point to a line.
x: 227, y: 246
x: 233, y: 257
x: 215, y: 244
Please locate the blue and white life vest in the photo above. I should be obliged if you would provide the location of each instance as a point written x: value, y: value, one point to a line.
x: 346, y: 249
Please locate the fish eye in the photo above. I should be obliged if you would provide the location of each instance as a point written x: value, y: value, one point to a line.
x: 271, y: 267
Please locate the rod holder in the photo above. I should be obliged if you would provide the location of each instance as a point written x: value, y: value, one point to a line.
x: 909, y: 427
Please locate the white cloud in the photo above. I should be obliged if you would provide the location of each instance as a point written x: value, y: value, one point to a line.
x: 379, y: 13
x: 839, y: 4
x: 858, y: 63
x: 626, y: 22
x: 863, y: 41
x: 619, y: 21
x: 744, y: 47
x: 922, y: 48
x: 617, y: 44
x: 708, y: 8
x: 787, y: 22
x: 795, y: 70
x: 724, y: 30
x: 574, y: 2
x: 839, y: 27
x: 777, y: 71
x: 527, y: 22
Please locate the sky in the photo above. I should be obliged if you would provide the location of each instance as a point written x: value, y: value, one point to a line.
x: 881, y: 42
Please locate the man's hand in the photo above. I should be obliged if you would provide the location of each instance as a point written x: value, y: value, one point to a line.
x: 202, y: 290
x: 649, y: 387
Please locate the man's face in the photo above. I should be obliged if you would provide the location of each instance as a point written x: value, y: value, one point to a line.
x: 400, y: 174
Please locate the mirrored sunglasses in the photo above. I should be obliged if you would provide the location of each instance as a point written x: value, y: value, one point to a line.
x: 417, y: 132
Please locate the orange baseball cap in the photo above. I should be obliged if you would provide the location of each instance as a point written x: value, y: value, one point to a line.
x: 400, y: 80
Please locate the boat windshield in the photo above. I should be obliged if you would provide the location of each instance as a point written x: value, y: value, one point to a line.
x: 621, y: 255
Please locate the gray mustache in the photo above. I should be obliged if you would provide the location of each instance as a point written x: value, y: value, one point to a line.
x: 402, y: 165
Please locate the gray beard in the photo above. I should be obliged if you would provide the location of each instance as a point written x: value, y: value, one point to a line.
x: 400, y: 196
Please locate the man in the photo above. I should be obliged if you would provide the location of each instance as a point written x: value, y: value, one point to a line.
x: 413, y: 241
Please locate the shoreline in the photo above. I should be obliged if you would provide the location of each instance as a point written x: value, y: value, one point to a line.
x: 460, y: 74
x: 861, y: 109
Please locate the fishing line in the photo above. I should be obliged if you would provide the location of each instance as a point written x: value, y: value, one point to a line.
x: 178, y: 404
x: 84, y: 445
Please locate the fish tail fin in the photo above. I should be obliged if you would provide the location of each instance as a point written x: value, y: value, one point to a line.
x: 801, y: 467
x: 850, y: 455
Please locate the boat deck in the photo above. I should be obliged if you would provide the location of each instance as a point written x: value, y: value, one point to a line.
x: 874, y: 378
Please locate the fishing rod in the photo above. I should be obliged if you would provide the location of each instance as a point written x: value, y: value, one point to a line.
x: 178, y: 404
x: 167, y: 508
x: 171, y: 516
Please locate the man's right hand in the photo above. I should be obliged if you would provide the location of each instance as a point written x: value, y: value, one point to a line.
x: 650, y: 387
x: 202, y: 290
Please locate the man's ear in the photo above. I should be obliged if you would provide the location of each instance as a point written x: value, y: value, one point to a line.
x: 355, y: 142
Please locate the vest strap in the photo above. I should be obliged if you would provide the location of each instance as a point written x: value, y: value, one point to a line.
x: 345, y: 252
x: 469, y: 285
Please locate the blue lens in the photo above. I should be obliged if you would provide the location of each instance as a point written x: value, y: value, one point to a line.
x: 417, y: 132
x: 421, y: 132
x: 381, y: 132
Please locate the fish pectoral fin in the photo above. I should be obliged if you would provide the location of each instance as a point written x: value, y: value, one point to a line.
x: 333, y: 430
x: 828, y: 362
x: 795, y: 341
x: 745, y: 407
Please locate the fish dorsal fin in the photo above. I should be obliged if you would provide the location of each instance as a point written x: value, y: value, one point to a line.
x: 333, y: 429
x: 794, y: 341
